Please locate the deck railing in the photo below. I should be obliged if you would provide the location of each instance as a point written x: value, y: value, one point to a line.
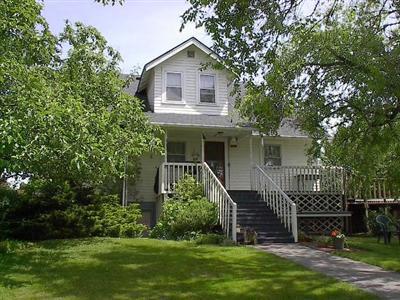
x: 276, y: 199
x: 307, y: 178
x: 378, y: 189
x: 214, y: 191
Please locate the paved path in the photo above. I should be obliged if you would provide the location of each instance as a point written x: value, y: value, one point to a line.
x: 383, y: 283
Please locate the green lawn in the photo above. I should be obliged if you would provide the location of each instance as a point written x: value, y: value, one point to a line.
x: 152, y: 269
x: 367, y: 249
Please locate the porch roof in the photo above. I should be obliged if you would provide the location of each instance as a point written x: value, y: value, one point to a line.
x: 199, y: 121
x: 288, y: 127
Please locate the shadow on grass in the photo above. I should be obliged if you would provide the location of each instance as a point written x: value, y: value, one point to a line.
x: 151, y: 269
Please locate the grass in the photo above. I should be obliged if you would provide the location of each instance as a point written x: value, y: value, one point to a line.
x: 366, y: 249
x: 151, y: 269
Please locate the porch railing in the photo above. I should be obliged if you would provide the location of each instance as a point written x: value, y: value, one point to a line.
x: 276, y: 199
x: 307, y: 178
x: 171, y: 173
x: 217, y: 194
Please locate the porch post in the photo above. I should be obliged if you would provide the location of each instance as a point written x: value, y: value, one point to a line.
x: 251, y: 162
x: 261, y: 149
x: 202, y: 147
x: 165, y: 145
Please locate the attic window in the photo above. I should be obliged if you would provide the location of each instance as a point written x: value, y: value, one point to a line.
x: 190, y: 53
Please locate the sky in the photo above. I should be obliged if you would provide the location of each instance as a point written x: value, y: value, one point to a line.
x: 140, y: 29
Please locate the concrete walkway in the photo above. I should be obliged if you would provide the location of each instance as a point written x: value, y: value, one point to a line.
x: 383, y: 283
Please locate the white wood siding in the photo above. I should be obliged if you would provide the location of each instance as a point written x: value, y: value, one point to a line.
x: 293, y: 150
x: 190, y: 69
x: 143, y: 190
x: 239, y: 159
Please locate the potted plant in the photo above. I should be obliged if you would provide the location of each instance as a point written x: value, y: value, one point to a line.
x: 250, y: 236
x: 338, y: 239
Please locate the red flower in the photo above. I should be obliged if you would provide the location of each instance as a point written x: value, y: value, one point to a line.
x: 335, y: 233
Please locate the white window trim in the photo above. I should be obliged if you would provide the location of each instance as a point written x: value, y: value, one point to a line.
x: 164, y: 88
x: 198, y: 89
x: 280, y: 151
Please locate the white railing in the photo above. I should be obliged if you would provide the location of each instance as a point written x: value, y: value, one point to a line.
x: 216, y: 193
x: 276, y: 200
x: 307, y: 178
x: 171, y: 173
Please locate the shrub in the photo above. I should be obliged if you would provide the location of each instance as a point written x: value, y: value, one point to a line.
x: 188, y: 189
x: 44, y: 210
x: 209, y: 239
x: 198, y: 216
x: 187, y: 214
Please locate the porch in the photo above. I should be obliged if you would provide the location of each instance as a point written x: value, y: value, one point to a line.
x: 310, y: 198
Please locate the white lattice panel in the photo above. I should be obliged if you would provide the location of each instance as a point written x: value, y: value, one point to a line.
x: 317, y: 202
x: 321, y: 225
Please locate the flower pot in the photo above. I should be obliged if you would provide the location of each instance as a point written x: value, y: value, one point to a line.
x: 339, y: 244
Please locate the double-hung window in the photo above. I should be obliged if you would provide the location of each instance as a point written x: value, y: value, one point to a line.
x: 207, y: 88
x: 176, y: 152
x: 174, y: 86
x: 272, y: 155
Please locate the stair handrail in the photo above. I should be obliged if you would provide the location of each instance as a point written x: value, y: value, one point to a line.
x: 277, y: 200
x: 217, y: 194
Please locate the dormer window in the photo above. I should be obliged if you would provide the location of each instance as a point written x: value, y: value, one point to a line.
x: 207, y: 88
x: 174, y: 86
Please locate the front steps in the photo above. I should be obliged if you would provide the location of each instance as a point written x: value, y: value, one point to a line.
x: 254, y: 214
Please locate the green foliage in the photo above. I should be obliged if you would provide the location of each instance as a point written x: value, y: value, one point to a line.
x: 209, y: 239
x: 187, y: 214
x: 333, y: 67
x: 44, y: 210
x: 188, y: 189
x: 10, y: 246
x: 64, y: 110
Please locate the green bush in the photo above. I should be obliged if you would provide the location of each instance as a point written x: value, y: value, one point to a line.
x: 209, y: 239
x: 197, y: 216
x: 187, y: 214
x: 44, y: 210
x: 188, y: 189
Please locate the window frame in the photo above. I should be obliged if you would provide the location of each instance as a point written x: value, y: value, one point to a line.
x: 165, y: 98
x: 177, y: 154
x: 273, y: 157
x: 199, y: 89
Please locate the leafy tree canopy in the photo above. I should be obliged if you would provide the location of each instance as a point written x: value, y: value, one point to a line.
x: 334, y: 65
x: 64, y: 115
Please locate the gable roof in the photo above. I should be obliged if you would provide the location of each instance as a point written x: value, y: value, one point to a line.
x: 189, y: 42
x: 168, y: 54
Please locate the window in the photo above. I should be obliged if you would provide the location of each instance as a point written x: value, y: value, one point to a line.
x: 272, y: 155
x: 176, y: 152
x: 207, y: 88
x: 174, y: 86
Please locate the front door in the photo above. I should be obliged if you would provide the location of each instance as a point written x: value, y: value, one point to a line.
x: 214, y: 155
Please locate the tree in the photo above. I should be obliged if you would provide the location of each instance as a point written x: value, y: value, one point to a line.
x: 64, y: 115
x: 334, y: 65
